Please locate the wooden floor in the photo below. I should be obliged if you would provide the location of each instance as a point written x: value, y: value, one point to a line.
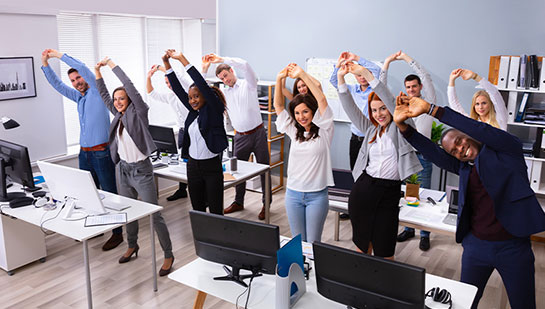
x: 60, y: 281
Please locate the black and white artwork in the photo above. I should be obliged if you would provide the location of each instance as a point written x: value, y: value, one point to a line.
x: 17, y: 78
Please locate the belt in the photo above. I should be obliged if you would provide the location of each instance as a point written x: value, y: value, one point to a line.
x: 251, y: 131
x: 100, y: 147
x: 359, y: 138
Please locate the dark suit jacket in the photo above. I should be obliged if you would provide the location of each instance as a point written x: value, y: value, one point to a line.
x: 210, y: 115
x: 501, y: 168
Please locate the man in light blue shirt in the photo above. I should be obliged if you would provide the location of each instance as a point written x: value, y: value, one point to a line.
x: 359, y: 92
x: 94, y: 123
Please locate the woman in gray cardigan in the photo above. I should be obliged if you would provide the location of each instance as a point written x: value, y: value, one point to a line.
x: 131, y: 144
x: 384, y: 160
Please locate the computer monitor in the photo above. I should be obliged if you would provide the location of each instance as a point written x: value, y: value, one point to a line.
x: 238, y: 243
x: 453, y: 204
x: 164, y: 139
x: 364, y: 281
x: 76, y: 185
x: 15, y: 162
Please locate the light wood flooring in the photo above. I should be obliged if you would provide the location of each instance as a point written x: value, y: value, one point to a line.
x: 60, y: 281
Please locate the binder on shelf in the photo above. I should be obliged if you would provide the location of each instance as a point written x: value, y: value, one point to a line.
x: 533, y: 78
x: 522, y: 78
x: 512, y: 107
x: 522, y: 107
x: 503, y: 71
x: 514, y: 67
x: 542, y: 78
x: 493, y: 69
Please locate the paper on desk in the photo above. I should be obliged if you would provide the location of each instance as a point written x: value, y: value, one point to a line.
x: 435, y: 195
x: 228, y: 177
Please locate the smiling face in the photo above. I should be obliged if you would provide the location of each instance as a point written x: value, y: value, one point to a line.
x: 461, y: 146
x: 196, y: 100
x: 303, y: 116
x: 413, y: 88
x: 121, y: 100
x: 228, y: 77
x: 78, y: 82
x: 482, y: 106
x: 302, y: 87
x: 380, y: 113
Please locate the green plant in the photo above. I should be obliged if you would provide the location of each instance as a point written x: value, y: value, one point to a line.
x: 436, y: 132
x: 413, y: 179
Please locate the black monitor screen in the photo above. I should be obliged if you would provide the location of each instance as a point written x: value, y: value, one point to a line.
x: 16, y: 164
x: 343, y: 179
x: 363, y: 281
x: 238, y: 243
x: 164, y: 139
x: 453, y: 205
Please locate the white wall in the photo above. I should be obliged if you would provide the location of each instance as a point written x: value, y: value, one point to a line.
x: 41, y: 118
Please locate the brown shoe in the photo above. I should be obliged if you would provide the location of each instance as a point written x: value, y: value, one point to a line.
x: 233, y: 208
x: 113, y: 242
x: 261, y: 215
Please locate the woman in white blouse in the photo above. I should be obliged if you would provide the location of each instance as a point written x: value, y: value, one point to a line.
x: 487, y: 105
x: 309, y: 124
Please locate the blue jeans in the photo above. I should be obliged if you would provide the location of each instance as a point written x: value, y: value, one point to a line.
x: 307, y: 212
x: 425, y: 182
x: 102, y: 168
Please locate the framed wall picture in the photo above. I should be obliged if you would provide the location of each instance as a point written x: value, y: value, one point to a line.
x: 17, y: 78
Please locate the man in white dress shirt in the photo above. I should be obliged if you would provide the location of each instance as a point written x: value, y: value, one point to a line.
x: 179, y: 109
x: 243, y: 110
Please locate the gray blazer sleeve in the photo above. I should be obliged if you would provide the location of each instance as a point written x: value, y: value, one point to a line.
x: 353, y: 112
x: 139, y: 104
x: 105, y: 95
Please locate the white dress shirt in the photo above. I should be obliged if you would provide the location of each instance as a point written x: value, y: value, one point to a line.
x: 126, y: 148
x: 242, y: 103
x: 383, y: 159
x: 171, y: 99
x: 309, y: 167
x: 197, y: 147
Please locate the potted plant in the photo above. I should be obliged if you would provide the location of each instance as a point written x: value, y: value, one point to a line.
x: 436, y: 132
x: 412, y: 186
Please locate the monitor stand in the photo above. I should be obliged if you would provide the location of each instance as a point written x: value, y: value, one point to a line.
x: 4, y: 195
x: 234, y: 275
x: 73, y: 214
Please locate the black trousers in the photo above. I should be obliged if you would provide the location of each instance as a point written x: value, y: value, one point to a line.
x: 205, y: 184
x: 355, y: 145
x: 182, y: 186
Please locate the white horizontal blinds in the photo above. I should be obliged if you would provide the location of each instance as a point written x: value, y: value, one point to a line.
x: 75, y: 39
x: 162, y: 34
x: 121, y: 38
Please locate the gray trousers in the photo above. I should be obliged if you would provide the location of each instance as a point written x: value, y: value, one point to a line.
x: 136, y: 179
x: 244, y: 146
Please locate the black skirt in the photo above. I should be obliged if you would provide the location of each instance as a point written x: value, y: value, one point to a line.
x: 373, y: 206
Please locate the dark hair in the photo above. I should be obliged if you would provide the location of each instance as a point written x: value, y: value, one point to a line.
x: 445, y: 134
x: 122, y: 88
x: 296, y: 91
x: 217, y: 92
x: 72, y: 70
x: 222, y: 67
x: 312, y: 104
x: 412, y: 77
x: 373, y: 96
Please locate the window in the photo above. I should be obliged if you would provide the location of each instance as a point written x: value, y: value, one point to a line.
x: 134, y: 43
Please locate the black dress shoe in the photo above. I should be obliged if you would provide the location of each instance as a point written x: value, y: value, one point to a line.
x: 164, y: 272
x: 344, y: 216
x: 113, y: 242
x: 424, y: 243
x: 405, y: 235
x: 125, y: 259
x: 178, y: 194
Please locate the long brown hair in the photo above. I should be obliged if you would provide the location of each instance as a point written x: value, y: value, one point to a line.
x: 374, y: 97
x: 296, y: 91
x: 312, y: 104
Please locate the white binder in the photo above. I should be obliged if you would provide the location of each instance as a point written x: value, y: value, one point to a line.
x: 503, y: 72
x: 513, y: 72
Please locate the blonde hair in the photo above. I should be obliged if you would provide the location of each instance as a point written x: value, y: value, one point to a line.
x: 491, y: 112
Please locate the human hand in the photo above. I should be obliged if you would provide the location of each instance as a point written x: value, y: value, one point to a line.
x: 418, y: 106
x: 165, y: 57
x: 152, y: 71
x: 455, y: 74
x: 352, y: 57
x: 401, y: 112
x: 343, y: 69
x: 282, y: 74
x: 295, y: 71
x: 45, y: 58
x: 392, y: 57
x: 53, y: 53
x: 355, y: 68
x: 403, y: 56
x: 172, y: 53
x: 468, y: 74
x: 213, y: 58
x: 342, y: 58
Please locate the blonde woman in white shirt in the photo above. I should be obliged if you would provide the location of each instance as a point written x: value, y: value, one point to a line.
x: 309, y: 124
x: 487, y: 105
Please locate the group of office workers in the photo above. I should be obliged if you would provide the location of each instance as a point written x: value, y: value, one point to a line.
x: 498, y: 211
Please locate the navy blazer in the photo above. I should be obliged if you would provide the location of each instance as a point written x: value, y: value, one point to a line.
x: 501, y: 168
x: 210, y: 114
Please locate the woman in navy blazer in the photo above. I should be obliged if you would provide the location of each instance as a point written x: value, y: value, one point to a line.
x: 204, y: 136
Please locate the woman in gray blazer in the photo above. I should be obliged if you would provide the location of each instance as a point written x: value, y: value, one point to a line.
x: 384, y: 160
x: 131, y: 144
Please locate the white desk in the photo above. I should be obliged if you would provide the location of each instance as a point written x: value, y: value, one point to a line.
x: 245, y: 171
x: 199, y: 275
x: 76, y: 229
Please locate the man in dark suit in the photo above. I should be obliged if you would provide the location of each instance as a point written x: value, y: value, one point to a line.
x: 498, y: 211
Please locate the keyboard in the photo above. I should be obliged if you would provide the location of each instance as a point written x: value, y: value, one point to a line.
x: 159, y: 165
x: 106, y: 219
x: 450, y: 219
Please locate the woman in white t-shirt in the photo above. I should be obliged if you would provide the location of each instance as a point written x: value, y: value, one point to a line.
x: 309, y: 124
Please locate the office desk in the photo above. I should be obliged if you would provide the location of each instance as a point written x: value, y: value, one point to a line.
x: 199, y: 275
x: 77, y: 231
x: 245, y: 171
